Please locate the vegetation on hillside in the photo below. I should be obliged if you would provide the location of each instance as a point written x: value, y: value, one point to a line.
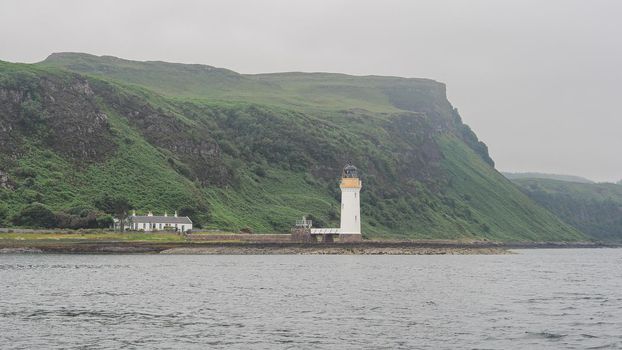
x: 529, y: 175
x: 237, y: 151
x: 595, y: 209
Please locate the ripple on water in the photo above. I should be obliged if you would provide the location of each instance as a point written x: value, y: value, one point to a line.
x: 534, y: 299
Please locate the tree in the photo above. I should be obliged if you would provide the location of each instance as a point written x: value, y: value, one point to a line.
x: 4, y: 211
x: 37, y: 215
x: 116, y: 205
x: 104, y: 221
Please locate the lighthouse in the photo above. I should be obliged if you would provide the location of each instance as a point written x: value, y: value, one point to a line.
x: 350, y: 185
x: 350, y: 228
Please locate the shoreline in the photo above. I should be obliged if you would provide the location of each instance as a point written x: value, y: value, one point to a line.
x: 423, y: 247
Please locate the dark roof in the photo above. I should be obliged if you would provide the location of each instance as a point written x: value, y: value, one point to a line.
x: 350, y: 171
x: 161, y: 219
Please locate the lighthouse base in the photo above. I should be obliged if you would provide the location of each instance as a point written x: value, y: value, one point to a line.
x: 355, y: 237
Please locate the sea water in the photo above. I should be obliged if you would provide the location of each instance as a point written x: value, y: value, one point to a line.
x: 534, y: 299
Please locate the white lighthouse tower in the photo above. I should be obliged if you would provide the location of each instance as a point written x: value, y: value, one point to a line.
x: 350, y: 205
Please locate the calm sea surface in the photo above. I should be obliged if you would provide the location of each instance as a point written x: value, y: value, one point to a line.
x: 536, y: 299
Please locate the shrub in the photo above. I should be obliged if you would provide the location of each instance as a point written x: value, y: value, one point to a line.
x: 180, y: 168
x: 115, y: 205
x: 28, y: 182
x: 35, y: 215
x: 333, y: 214
x: 63, y: 220
x: 104, y: 221
x: 81, y: 210
x: 259, y: 171
x: 485, y: 228
x: 31, y: 114
x: 82, y: 217
x: 4, y: 212
x: 197, y: 212
x: 31, y: 196
x: 25, y: 172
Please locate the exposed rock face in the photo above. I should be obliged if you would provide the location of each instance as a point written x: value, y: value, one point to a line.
x: 8, y: 140
x: 4, y: 180
x: 258, y: 152
x: 430, y: 100
x: 62, y: 114
x: 419, y: 151
x: 190, y: 143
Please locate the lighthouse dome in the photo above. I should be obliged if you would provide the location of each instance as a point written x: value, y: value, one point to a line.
x: 350, y: 171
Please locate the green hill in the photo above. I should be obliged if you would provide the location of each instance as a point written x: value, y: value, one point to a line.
x: 567, y: 178
x: 595, y: 209
x: 257, y: 151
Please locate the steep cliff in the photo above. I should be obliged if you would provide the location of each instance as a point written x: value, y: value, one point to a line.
x: 254, y: 151
x: 593, y: 208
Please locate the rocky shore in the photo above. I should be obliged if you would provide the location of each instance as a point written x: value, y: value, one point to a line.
x: 332, y: 250
x: 431, y: 247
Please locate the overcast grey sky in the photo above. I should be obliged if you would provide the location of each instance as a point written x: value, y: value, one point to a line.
x: 539, y: 81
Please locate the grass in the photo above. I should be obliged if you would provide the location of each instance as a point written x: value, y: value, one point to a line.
x: 260, y: 151
x: 315, y: 91
x: 495, y: 205
x: 593, y: 208
x: 102, y: 236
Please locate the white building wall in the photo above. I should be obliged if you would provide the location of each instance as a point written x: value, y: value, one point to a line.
x: 350, y: 211
x: 185, y: 227
x: 157, y: 226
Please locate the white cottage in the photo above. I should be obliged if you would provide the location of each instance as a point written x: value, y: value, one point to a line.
x: 152, y: 222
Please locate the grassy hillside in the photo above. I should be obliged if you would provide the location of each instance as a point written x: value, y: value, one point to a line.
x: 256, y: 151
x: 567, y: 178
x: 595, y: 209
x: 320, y: 91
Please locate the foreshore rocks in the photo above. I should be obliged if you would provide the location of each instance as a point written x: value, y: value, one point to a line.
x: 285, y: 248
x: 331, y: 250
x: 21, y: 250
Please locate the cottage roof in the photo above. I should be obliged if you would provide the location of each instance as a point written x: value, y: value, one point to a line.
x: 160, y: 219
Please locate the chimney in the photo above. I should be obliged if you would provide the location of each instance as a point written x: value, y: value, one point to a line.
x: 175, y: 213
x: 150, y: 213
x: 133, y: 212
x: 165, y: 214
